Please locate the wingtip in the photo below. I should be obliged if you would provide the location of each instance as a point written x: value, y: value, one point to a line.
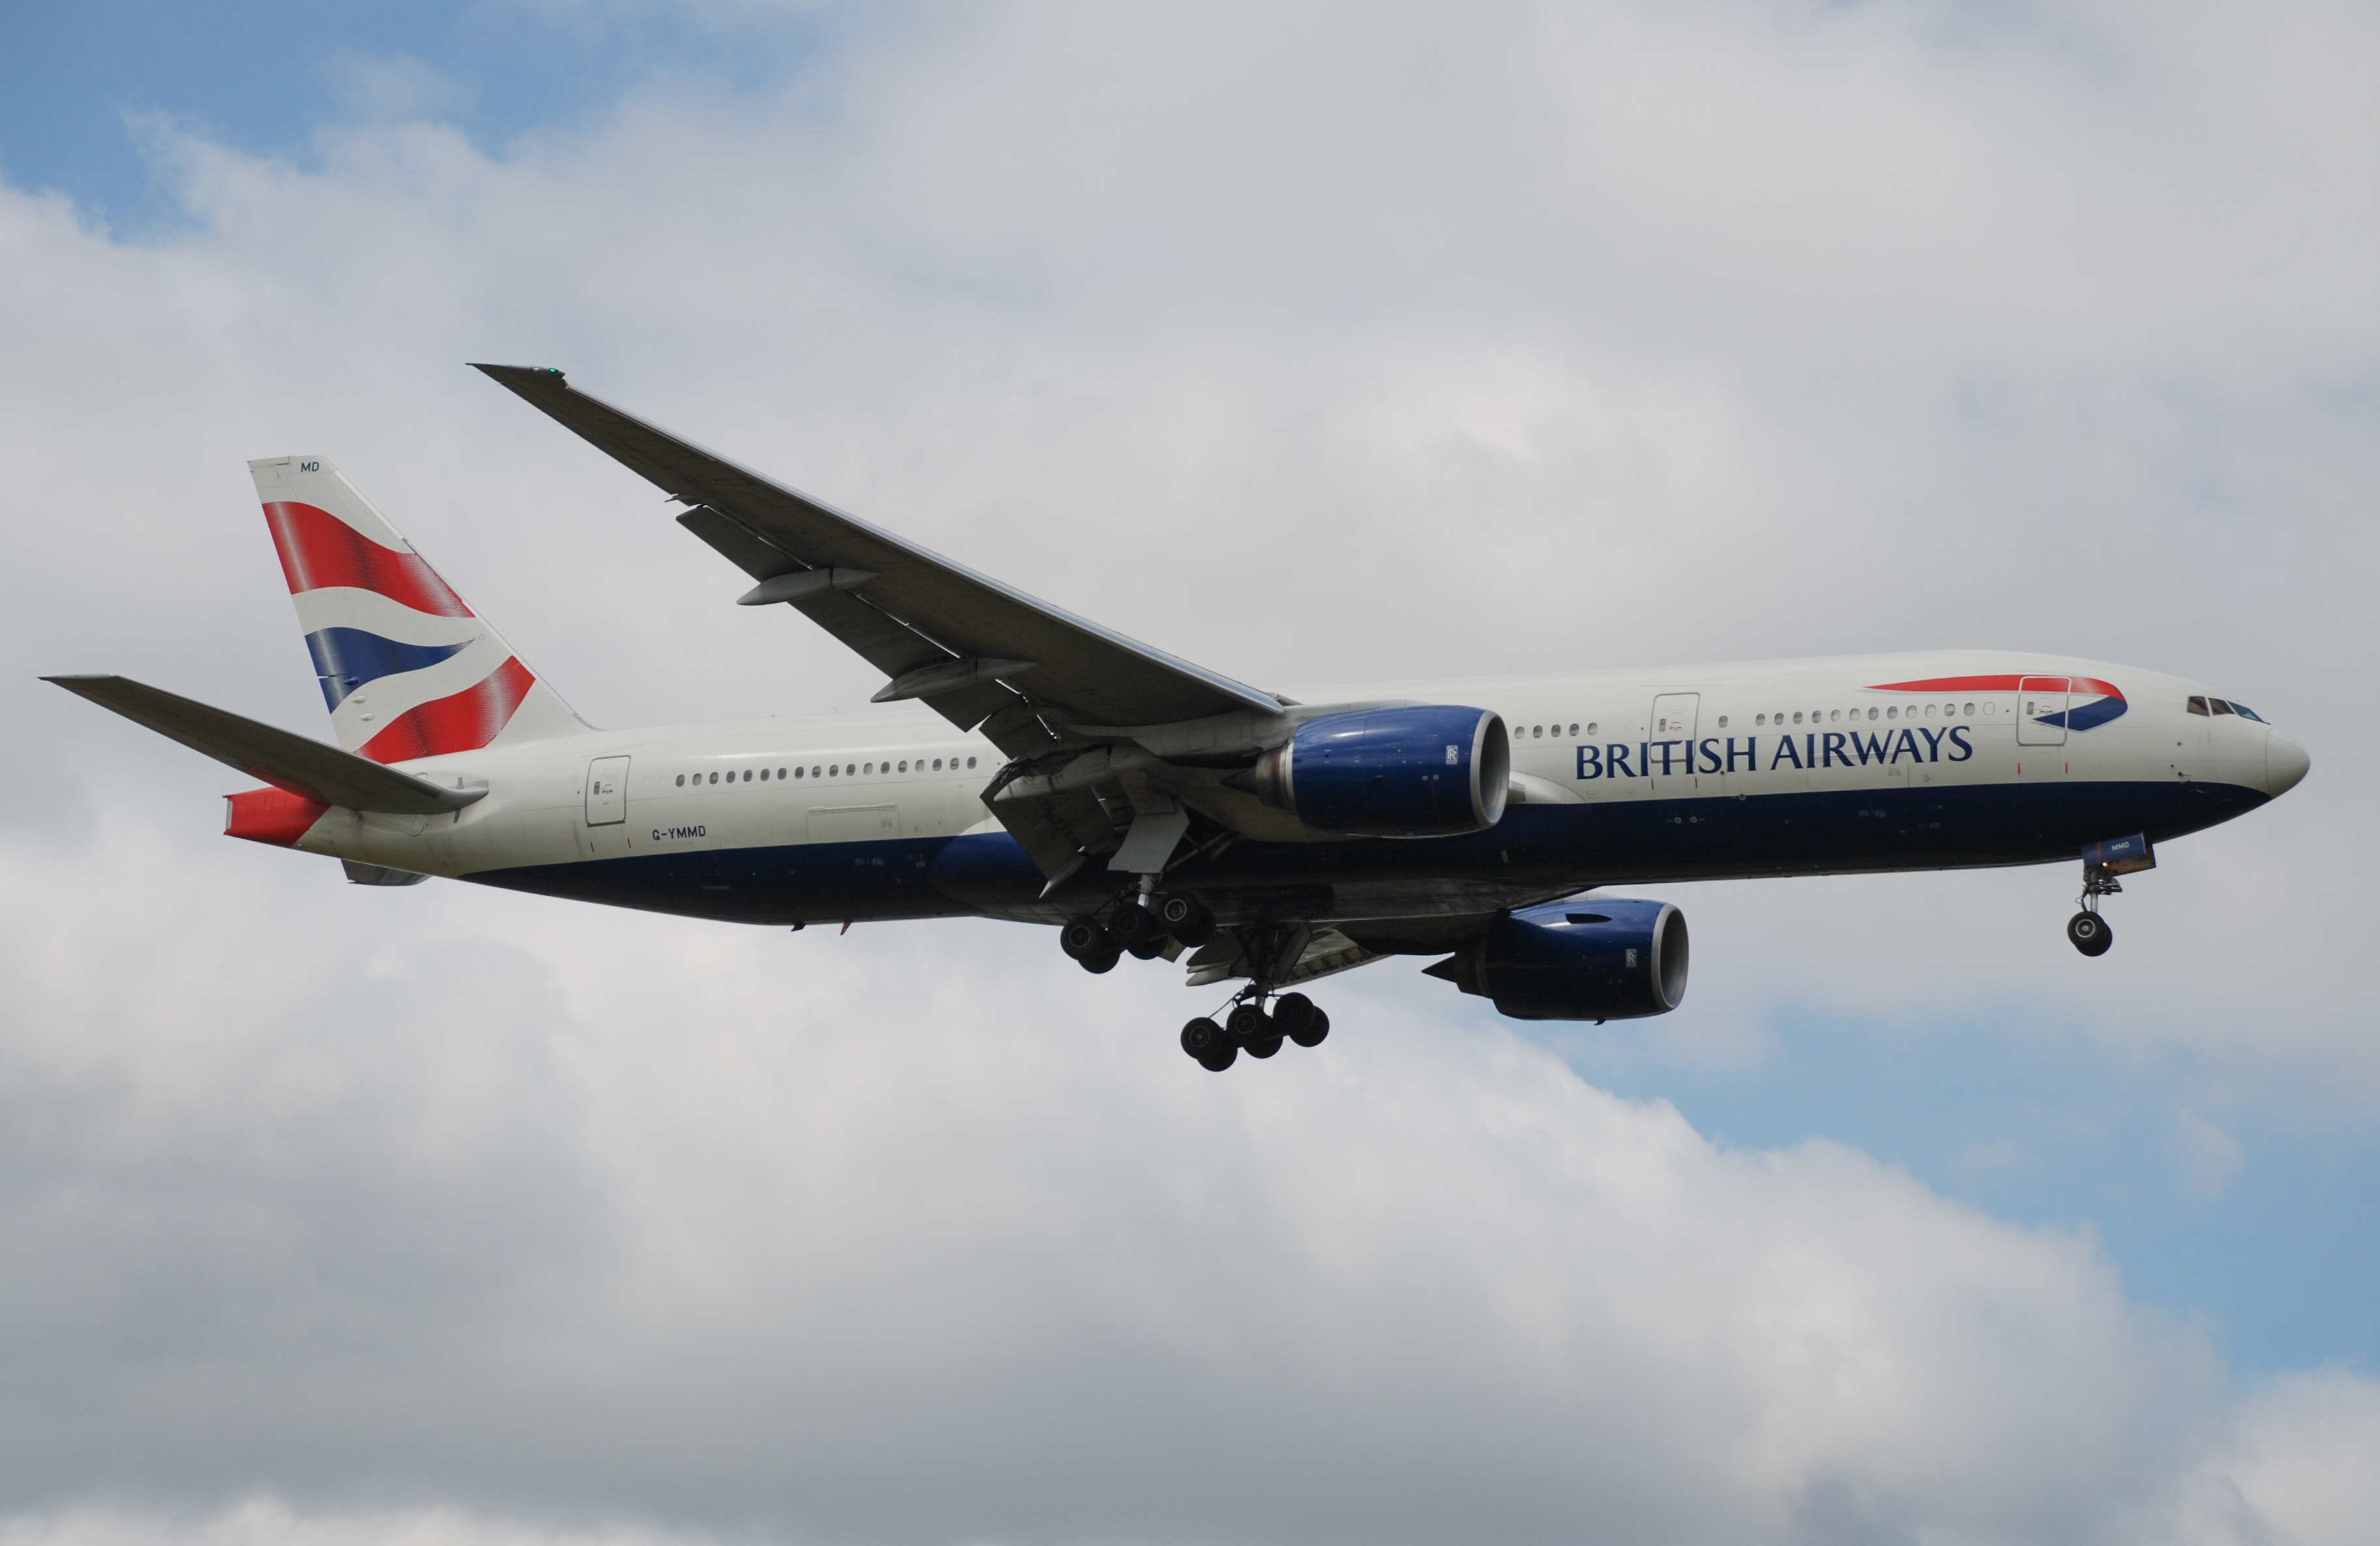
x: 522, y: 375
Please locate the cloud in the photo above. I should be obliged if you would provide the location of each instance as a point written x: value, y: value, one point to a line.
x: 1271, y: 337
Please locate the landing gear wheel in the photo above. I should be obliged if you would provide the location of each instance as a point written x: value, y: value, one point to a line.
x: 1220, y: 1060
x: 1291, y: 1011
x: 1316, y: 1029
x: 1104, y: 961
x: 1083, y: 939
x: 1206, y: 1041
x: 1185, y: 917
x: 1133, y: 924
x: 1254, y: 1029
x: 2089, y: 934
x: 1148, y: 948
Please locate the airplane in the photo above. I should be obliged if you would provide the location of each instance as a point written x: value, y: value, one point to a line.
x: 1142, y: 805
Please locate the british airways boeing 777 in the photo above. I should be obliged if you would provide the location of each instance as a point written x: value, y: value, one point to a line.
x: 1071, y: 776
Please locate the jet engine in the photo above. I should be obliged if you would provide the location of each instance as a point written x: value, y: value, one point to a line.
x: 1602, y: 958
x: 1419, y: 772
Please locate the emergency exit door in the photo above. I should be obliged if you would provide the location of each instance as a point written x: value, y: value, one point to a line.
x: 607, y: 791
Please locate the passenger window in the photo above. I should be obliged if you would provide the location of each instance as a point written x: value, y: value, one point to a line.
x: 832, y: 772
x: 1574, y: 731
x: 2220, y: 706
x: 797, y: 773
x: 1760, y: 719
x: 714, y: 778
x: 1871, y: 714
x: 848, y: 770
x: 2197, y: 705
x: 1722, y: 721
x: 1590, y: 728
x: 764, y: 775
x: 681, y: 781
x: 781, y: 776
x: 1893, y: 712
x: 747, y: 776
x: 1539, y: 732
x: 1797, y: 716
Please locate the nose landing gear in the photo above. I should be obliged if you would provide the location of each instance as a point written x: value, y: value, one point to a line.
x: 2086, y: 930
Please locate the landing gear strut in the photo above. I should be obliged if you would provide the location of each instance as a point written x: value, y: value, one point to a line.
x: 2086, y: 930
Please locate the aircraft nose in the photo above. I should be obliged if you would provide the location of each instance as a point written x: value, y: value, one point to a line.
x: 2285, y: 763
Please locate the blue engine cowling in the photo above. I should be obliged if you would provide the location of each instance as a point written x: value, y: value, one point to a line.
x: 1601, y: 958
x: 1430, y: 772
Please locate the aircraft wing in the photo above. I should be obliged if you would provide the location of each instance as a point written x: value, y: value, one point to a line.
x: 975, y: 651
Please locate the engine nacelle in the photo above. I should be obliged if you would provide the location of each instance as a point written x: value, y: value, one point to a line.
x: 1426, y: 772
x: 1604, y: 959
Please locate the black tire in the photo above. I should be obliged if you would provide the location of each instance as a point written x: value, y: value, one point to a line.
x: 2089, y: 934
x: 1132, y: 922
x: 1316, y: 1029
x: 1104, y: 961
x: 1082, y: 938
x: 1203, y: 1040
x: 1265, y: 1047
x: 1220, y: 1061
x: 1247, y: 1026
x: 1149, y: 949
x: 1185, y: 917
x: 1292, y: 1012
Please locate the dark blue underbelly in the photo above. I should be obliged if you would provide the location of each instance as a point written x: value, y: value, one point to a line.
x: 1544, y: 849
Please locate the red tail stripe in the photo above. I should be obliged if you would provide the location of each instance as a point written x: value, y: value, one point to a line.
x: 466, y: 722
x: 273, y: 816
x: 318, y: 549
x: 1998, y: 684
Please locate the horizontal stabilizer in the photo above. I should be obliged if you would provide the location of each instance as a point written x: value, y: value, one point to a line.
x: 283, y: 759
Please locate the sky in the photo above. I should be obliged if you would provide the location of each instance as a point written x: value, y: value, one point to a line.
x: 1315, y: 344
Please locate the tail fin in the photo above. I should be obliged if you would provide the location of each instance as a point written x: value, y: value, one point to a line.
x: 406, y: 668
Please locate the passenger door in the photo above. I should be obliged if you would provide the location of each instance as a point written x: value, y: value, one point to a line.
x: 607, y: 791
x: 2040, y: 698
x: 1675, y: 717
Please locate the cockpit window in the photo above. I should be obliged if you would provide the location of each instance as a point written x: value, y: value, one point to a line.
x: 2220, y: 706
x: 2246, y: 713
x: 2197, y: 705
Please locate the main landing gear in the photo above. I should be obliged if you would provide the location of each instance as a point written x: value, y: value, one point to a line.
x: 1141, y: 926
x: 1218, y: 1046
x: 2086, y: 930
x: 1156, y: 923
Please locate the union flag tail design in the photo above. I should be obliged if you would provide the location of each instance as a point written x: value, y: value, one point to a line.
x: 406, y: 668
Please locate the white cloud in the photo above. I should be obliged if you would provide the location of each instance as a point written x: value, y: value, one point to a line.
x: 1758, y: 329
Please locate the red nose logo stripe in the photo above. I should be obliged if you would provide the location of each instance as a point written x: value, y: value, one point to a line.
x: 1999, y: 684
x: 466, y: 722
x: 318, y: 549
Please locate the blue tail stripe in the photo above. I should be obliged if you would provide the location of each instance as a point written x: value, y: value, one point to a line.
x: 347, y: 657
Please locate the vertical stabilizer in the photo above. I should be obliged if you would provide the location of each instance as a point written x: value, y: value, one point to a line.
x: 406, y: 668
